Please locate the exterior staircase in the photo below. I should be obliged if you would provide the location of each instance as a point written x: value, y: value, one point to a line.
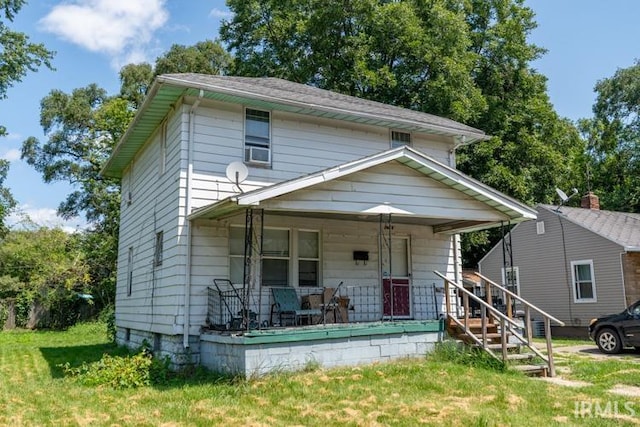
x: 500, y: 334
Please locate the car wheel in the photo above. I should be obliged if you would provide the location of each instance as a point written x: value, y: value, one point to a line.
x: 608, y: 341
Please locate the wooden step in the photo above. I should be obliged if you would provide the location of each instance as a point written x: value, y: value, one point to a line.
x: 532, y: 370
x: 499, y: 346
x: 520, y: 356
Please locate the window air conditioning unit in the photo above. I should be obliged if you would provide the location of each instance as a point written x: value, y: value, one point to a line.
x: 257, y: 155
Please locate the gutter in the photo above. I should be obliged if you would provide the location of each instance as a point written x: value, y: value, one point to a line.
x: 187, y: 211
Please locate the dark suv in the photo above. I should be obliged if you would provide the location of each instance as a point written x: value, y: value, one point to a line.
x: 614, y: 332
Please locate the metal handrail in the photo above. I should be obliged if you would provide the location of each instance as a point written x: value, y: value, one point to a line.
x: 519, y: 298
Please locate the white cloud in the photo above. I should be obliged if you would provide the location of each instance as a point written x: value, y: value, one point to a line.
x: 26, y: 216
x: 220, y: 14
x: 11, y: 155
x: 121, y: 29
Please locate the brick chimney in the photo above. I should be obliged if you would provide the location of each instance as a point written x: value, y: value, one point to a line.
x: 590, y: 201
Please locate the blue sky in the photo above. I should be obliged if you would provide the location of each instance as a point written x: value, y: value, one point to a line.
x: 587, y: 40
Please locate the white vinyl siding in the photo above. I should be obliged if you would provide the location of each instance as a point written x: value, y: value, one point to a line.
x: 163, y: 147
x: 299, y: 145
x: 153, y: 205
x: 584, y: 281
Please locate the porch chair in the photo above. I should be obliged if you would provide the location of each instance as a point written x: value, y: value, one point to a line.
x: 287, y: 306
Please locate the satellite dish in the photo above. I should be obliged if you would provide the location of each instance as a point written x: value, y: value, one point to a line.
x: 562, y: 194
x: 237, y: 172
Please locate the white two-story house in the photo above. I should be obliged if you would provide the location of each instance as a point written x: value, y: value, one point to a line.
x: 268, y: 183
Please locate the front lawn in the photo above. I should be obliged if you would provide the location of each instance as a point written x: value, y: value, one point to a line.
x: 35, y: 390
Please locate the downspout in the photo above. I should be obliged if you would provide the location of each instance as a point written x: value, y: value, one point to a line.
x: 187, y: 211
x: 460, y: 141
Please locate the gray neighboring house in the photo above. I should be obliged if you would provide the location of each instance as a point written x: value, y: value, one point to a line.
x: 574, y: 263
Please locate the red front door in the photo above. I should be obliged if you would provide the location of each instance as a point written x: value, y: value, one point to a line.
x: 396, y: 296
x: 396, y: 293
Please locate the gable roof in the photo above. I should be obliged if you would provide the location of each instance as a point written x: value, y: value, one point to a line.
x: 273, y: 94
x: 509, y: 209
x: 622, y: 228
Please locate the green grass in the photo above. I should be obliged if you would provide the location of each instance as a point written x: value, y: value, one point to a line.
x: 431, y: 391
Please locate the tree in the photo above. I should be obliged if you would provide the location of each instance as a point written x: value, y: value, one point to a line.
x: 17, y: 54
x: 82, y: 128
x: 466, y: 60
x: 207, y: 57
x: 17, y: 57
x: 613, y: 136
x: 44, y: 266
x: 413, y: 54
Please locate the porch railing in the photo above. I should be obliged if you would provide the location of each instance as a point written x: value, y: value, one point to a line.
x: 508, y: 326
x: 364, y: 304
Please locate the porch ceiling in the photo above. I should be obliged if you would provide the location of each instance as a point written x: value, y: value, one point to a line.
x: 468, y: 204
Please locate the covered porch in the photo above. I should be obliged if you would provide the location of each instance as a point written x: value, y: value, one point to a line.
x: 358, y: 244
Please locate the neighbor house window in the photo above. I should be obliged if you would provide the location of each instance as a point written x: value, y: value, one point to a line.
x: 275, y: 257
x: 400, y: 139
x: 236, y: 255
x: 157, y: 256
x: 540, y: 227
x: 584, y: 281
x: 129, y: 271
x: 257, y: 136
x: 511, y: 279
x: 163, y: 147
x: 308, y: 258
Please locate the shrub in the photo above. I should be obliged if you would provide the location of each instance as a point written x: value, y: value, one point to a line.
x: 121, y: 372
x: 108, y: 317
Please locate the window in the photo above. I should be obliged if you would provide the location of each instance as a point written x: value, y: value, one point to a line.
x: 129, y: 271
x: 540, y: 227
x: 257, y: 136
x: 584, y: 282
x: 308, y: 258
x: 157, y: 256
x: 289, y: 257
x: 511, y: 279
x: 236, y: 255
x: 275, y: 257
x: 400, y: 139
x: 163, y: 147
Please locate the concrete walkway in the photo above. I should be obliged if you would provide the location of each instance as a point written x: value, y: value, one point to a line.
x: 591, y: 350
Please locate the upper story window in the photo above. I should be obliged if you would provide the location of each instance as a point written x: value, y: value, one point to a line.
x: 257, y: 136
x: 400, y: 139
x: 584, y: 282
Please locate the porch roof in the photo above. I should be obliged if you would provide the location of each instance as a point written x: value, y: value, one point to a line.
x: 489, y: 207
